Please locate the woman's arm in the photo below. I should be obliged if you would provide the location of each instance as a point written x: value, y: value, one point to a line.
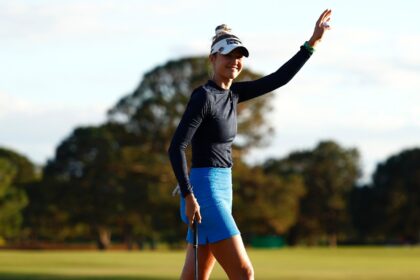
x: 251, y: 89
x: 193, y: 116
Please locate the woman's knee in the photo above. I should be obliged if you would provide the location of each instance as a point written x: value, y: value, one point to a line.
x: 247, y: 272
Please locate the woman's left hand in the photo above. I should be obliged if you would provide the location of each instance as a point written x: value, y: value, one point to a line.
x: 320, y: 27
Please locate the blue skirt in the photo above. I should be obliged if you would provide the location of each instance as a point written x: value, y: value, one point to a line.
x: 212, y: 187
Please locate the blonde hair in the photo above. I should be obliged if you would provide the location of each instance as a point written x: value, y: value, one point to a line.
x: 221, y: 30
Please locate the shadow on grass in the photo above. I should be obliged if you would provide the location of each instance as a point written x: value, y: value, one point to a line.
x: 23, y: 276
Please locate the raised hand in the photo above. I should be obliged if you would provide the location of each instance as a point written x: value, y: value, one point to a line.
x: 320, y: 27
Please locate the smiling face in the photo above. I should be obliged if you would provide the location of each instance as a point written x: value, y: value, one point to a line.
x: 227, y: 67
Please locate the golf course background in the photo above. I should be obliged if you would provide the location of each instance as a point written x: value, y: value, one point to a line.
x: 288, y: 263
x: 329, y: 162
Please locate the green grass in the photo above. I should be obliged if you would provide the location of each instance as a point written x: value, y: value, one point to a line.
x: 294, y: 263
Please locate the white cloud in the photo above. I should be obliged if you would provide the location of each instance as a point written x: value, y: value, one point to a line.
x: 35, y: 129
x: 9, y: 104
x: 54, y: 20
x: 69, y: 20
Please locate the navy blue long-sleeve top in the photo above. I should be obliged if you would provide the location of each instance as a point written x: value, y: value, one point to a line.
x: 209, y: 121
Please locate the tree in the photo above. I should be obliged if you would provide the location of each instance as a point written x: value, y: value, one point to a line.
x: 82, y: 182
x: 329, y: 172
x: 265, y: 204
x: 296, y: 165
x: 396, y: 192
x: 152, y: 112
x: 364, y: 211
x: 15, y: 172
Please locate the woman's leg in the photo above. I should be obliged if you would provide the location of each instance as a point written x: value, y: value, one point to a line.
x: 205, y: 263
x: 232, y: 256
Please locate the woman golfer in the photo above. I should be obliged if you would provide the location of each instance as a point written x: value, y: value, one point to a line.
x: 209, y: 123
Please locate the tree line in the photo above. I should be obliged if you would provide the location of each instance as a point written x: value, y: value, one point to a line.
x: 113, y: 182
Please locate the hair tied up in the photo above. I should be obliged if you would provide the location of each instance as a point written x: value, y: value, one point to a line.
x: 222, y: 29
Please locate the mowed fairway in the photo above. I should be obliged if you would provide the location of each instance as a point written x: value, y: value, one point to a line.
x: 300, y: 263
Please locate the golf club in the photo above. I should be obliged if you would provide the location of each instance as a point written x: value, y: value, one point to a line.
x: 195, y: 245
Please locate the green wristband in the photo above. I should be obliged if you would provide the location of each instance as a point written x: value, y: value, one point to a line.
x: 309, y: 47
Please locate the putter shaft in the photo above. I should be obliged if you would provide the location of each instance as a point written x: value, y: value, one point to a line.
x: 195, y: 245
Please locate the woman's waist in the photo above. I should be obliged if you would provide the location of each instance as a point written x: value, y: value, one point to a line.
x: 211, y: 180
x: 211, y: 172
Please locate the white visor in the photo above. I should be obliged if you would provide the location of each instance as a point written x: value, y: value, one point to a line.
x: 227, y: 45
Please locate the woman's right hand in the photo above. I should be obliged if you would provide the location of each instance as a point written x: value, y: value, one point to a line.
x: 320, y: 27
x: 192, y: 209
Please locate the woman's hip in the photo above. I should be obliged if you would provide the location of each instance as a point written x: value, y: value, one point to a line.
x: 212, y: 185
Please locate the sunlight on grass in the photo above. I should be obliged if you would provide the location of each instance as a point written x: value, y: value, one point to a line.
x: 291, y: 263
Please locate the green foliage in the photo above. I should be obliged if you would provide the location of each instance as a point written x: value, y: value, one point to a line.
x: 15, y: 172
x: 81, y: 184
x: 265, y: 204
x: 329, y: 173
x: 396, y: 196
x: 364, y: 214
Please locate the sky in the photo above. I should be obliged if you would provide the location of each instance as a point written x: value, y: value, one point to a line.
x: 64, y: 63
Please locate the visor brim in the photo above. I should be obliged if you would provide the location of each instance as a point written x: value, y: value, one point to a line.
x: 229, y: 49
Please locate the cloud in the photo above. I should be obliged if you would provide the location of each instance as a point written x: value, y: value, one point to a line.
x: 69, y: 20
x: 348, y: 82
x: 36, y: 129
x: 39, y: 21
x: 9, y: 104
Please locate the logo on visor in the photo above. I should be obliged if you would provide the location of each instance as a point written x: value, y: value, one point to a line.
x: 221, y: 49
x: 233, y: 41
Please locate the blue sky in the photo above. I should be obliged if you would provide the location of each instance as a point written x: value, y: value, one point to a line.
x: 64, y: 63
